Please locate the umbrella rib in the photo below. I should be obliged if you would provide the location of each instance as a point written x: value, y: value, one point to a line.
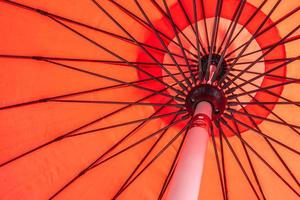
x: 247, y: 22
x: 142, y: 160
x: 156, y: 157
x: 270, y: 144
x: 176, y: 27
x: 164, y: 45
x: 172, y: 168
x: 285, y: 41
x: 115, y: 102
x: 258, y: 76
x: 179, y: 41
x: 113, y: 62
x: 43, y: 100
x: 218, y: 162
x: 264, y: 102
x: 266, y: 91
x: 63, y: 136
x: 247, y: 154
x: 268, y: 75
x: 223, y: 165
x: 236, y: 156
x: 270, y: 26
x: 135, y: 17
x: 96, y: 163
x: 205, y: 22
x: 198, y: 40
x: 273, y: 113
x: 259, y: 156
x: 116, y: 55
x: 127, y: 123
x: 263, y: 88
x: 201, y: 74
x: 262, y: 134
x: 113, y: 79
x: 143, y: 48
x: 46, y: 13
x: 212, y: 47
x: 249, y: 42
x: 236, y: 18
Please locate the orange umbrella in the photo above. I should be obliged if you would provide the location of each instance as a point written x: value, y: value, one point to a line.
x: 165, y: 99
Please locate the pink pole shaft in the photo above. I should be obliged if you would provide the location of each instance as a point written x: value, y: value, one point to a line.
x: 185, y: 183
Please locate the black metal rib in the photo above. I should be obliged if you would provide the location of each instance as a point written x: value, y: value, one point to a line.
x: 263, y: 55
x: 179, y: 41
x: 205, y: 23
x: 164, y: 45
x: 270, y: 145
x: 273, y: 113
x: 46, y: 13
x: 223, y: 165
x: 201, y: 73
x: 143, y: 48
x: 64, y: 135
x: 285, y: 41
x: 264, y: 102
x: 263, y: 88
x: 236, y: 156
x: 212, y: 47
x: 258, y: 155
x: 142, y: 160
x: 97, y: 163
x: 156, y: 156
x: 238, y: 13
x: 249, y: 41
x: 270, y: 26
x: 145, y: 24
x: 115, y: 102
x: 176, y: 27
x: 266, y: 91
x: 218, y: 163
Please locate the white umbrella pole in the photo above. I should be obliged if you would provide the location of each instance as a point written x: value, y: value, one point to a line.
x: 185, y: 183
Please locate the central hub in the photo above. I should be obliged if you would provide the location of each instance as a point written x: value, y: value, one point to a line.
x: 210, y: 94
x: 215, y: 59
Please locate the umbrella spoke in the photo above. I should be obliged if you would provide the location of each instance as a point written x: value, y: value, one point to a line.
x: 179, y: 41
x: 266, y: 91
x: 205, y: 22
x: 176, y: 27
x: 223, y: 165
x: 287, y: 40
x: 218, y: 162
x: 212, y: 46
x: 164, y: 45
x: 260, y: 157
x: 65, y: 135
x: 97, y: 163
x: 237, y: 14
x: 142, y: 160
x: 127, y: 123
x: 148, y: 26
x: 258, y: 76
x: 249, y: 41
x: 246, y: 23
x: 267, y: 75
x: 236, y: 156
x: 269, y: 144
x: 156, y: 157
x: 273, y: 113
x: 265, y: 103
x: 270, y: 26
x: 263, y: 88
x: 144, y: 49
x: 116, y: 102
x: 43, y: 100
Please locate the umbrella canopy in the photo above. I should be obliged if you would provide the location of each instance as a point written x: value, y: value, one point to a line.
x: 96, y: 97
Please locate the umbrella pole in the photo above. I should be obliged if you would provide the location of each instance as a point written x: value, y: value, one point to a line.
x: 185, y: 183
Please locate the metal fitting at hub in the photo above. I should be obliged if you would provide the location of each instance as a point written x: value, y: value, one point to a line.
x: 210, y: 94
